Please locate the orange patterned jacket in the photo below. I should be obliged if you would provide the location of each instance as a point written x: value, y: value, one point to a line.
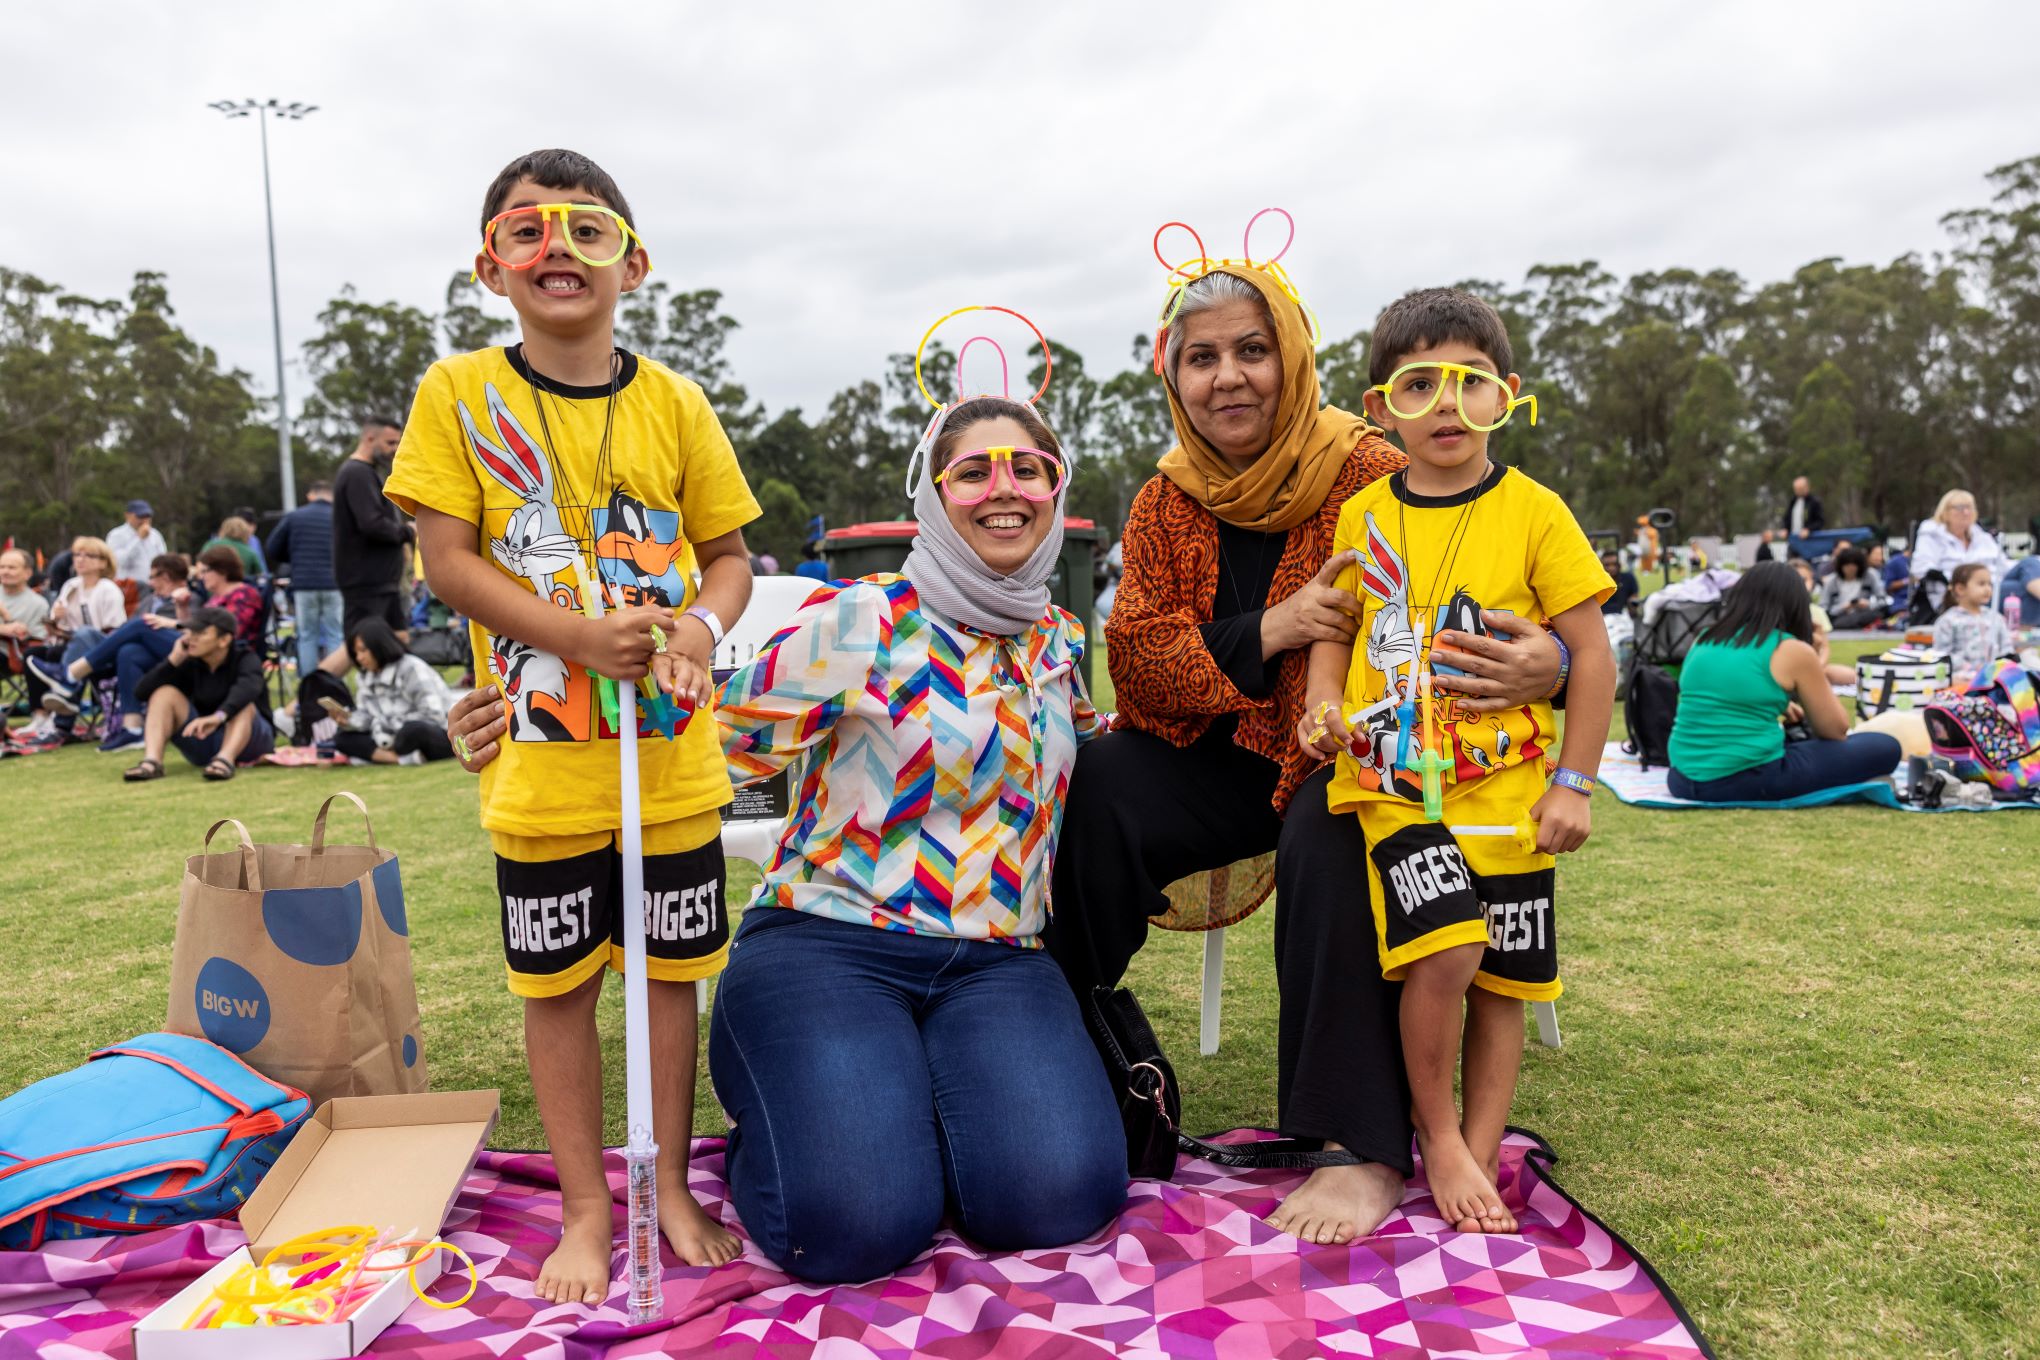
x: 1166, y: 681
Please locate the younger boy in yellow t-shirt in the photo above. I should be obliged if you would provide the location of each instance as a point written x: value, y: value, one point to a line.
x: 1464, y: 917
x: 541, y: 473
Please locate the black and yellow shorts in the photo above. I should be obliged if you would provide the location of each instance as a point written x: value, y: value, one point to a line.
x: 560, y: 896
x: 1432, y: 892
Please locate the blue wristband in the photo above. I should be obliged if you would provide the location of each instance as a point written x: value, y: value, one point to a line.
x: 1572, y: 779
x: 1564, y: 668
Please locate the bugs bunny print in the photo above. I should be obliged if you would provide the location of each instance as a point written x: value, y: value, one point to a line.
x: 534, y: 544
x: 1392, y: 651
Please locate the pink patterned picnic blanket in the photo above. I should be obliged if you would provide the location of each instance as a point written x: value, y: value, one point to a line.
x: 1188, y: 1271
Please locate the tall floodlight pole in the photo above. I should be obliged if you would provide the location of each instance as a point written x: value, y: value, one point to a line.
x: 264, y: 109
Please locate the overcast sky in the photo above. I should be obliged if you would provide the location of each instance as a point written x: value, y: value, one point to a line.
x: 847, y: 172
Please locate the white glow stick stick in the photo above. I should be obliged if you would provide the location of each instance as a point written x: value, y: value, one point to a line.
x: 642, y: 1219
x: 640, y: 1152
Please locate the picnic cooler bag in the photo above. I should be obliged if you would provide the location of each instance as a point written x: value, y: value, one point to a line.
x: 1904, y: 677
x: 298, y: 959
x: 160, y: 1130
x: 1990, y: 732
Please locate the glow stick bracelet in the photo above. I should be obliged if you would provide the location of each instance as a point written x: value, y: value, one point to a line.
x: 1524, y: 831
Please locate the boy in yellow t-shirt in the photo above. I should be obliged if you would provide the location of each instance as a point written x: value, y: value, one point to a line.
x: 1463, y: 915
x: 540, y: 474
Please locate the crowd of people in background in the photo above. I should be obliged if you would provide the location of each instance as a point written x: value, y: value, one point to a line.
x: 122, y: 641
x: 227, y: 654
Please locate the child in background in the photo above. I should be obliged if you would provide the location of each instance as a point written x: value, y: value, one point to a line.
x: 1969, y: 630
x: 1823, y: 646
x: 1466, y: 923
x: 568, y: 457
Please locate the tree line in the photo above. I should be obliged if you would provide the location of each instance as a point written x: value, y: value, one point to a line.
x: 1701, y: 392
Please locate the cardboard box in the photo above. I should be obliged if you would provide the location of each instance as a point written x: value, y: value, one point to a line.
x: 396, y: 1162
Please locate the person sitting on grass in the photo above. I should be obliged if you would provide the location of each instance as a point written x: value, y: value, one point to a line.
x: 1971, y: 632
x: 126, y: 654
x: 206, y: 698
x: 399, y: 712
x: 1755, y: 665
x: 1837, y: 674
x: 237, y: 536
x: 87, y: 608
x: 219, y: 571
x: 1854, y: 596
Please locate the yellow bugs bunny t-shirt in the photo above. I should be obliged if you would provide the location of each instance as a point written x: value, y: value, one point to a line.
x: 1433, y: 563
x: 552, y: 510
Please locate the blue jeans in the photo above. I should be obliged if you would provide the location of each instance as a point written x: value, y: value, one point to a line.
x: 1806, y: 767
x: 127, y: 654
x: 875, y: 1078
x: 201, y: 750
x: 318, y: 626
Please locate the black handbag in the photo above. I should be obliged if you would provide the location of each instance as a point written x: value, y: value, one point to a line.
x: 1151, y: 1105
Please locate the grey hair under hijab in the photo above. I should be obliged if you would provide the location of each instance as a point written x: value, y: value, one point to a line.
x: 954, y: 581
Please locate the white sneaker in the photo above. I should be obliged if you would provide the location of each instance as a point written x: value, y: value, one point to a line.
x: 413, y: 758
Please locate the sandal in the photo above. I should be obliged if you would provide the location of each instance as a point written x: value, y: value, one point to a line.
x: 219, y: 770
x: 147, y: 770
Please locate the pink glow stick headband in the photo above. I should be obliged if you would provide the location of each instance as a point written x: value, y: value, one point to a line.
x: 923, y: 455
x: 1195, y: 267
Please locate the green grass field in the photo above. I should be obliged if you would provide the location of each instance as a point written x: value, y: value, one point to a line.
x: 1799, y: 1071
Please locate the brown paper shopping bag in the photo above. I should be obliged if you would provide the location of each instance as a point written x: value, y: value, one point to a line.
x: 298, y: 958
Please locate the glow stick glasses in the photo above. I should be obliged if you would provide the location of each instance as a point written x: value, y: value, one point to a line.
x: 1195, y: 267
x: 518, y: 238
x: 1413, y: 391
x: 954, y: 479
x: 970, y: 477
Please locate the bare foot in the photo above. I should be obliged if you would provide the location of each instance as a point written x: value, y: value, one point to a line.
x: 578, y: 1269
x: 695, y: 1238
x: 1465, y: 1195
x: 1339, y: 1203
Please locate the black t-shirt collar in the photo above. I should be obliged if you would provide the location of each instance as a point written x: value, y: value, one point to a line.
x: 627, y: 370
x: 1399, y: 487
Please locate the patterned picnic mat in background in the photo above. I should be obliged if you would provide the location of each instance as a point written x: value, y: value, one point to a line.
x: 1188, y: 1272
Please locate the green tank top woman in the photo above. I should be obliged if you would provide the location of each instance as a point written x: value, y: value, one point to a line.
x: 1729, y: 706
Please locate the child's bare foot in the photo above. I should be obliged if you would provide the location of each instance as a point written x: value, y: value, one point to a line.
x: 695, y: 1238
x: 578, y: 1269
x: 1465, y: 1195
x: 1339, y: 1203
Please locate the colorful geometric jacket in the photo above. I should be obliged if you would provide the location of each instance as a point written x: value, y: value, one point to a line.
x: 928, y: 761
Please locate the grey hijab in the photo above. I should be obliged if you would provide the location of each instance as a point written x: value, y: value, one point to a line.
x: 954, y: 581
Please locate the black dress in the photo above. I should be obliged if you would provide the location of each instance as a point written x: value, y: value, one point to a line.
x: 1142, y: 813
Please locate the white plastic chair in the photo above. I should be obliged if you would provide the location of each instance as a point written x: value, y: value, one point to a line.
x: 774, y: 600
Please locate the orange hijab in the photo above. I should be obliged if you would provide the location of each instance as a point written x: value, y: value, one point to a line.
x: 1287, y: 484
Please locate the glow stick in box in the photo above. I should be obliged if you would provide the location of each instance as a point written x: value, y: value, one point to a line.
x: 640, y: 1152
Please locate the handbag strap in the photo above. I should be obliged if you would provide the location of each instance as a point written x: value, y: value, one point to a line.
x: 1266, y: 1154
x: 251, y: 864
x: 319, y: 823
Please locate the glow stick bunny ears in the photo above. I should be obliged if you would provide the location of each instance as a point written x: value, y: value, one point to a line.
x: 922, y: 457
x: 1195, y: 267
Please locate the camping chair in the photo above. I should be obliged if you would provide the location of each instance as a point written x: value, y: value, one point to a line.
x: 1672, y: 630
x: 751, y: 823
x: 1222, y: 897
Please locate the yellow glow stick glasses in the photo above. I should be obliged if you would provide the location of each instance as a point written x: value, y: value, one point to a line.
x: 1413, y: 391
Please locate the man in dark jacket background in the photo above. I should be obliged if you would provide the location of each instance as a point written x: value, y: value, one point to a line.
x: 1804, y: 515
x: 369, y: 534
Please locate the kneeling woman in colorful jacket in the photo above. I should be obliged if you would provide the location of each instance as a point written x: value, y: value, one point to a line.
x: 890, y: 1040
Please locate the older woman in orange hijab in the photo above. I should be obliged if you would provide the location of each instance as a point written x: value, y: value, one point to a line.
x: 1227, y: 583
